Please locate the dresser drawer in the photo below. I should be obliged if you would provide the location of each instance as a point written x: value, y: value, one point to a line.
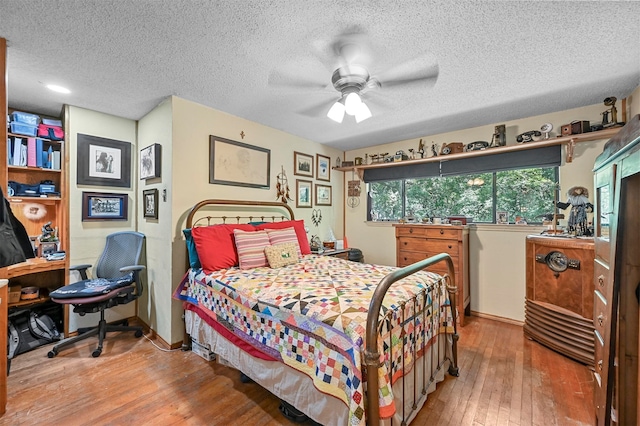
x: 600, y: 313
x: 428, y: 246
x: 411, y: 231
x: 407, y: 257
x: 430, y: 231
x: 602, y: 279
x: 443, y: 233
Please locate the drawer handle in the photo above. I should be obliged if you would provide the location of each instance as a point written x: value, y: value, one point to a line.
x: 450, y: 247
x: 600, y: 319
x: 411, y: 230
x: 441, y: 231
x: 405, y: 243
x: 601, y: 280
x: 600, y: 365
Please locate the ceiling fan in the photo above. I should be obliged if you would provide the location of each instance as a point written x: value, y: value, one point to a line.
x: 350, y: 58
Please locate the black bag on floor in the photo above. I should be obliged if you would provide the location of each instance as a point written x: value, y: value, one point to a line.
x: 28, y: 330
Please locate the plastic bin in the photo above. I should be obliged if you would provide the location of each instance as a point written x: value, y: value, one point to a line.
x: 25, y: 118
x: 52, y: 122
x: 23, y: 129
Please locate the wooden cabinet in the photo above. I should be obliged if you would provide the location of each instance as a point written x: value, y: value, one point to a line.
x: 559, y: 294
x: 617, y: 278
x: 35, y: 210
x: 418, y: 242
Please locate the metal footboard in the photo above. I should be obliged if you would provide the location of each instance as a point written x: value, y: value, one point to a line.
x: 374, y: 325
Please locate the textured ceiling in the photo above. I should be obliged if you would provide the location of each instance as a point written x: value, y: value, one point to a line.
x: 497, y: 60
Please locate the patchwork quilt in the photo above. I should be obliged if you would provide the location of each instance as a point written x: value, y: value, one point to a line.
x: 312, y: 316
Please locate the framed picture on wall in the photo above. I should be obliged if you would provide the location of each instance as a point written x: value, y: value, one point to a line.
x: 323, y: 195
x: 323, y: 167
x: 150, y: 161
x: 302, y: 164
x: 103, y: 162
x: 104, y: 206
x: 238, y: 163
x: 150, y: 199
x: 303, y: 193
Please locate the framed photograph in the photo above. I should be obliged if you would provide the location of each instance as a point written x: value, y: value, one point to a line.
x: 502, y: 217
x: 150, y: 161
x: 302, y: 164
x: 238, y: 164
x: 323, y: 195
x: 103, y: 162
x: 103, y: 206
x: 303, y: 193
x: 150, y: 199
x: 323, y: 167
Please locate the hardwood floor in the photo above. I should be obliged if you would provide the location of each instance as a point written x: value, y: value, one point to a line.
x: 505, y: 379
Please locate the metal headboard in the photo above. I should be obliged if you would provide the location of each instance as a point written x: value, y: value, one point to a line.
x: 197, y: 216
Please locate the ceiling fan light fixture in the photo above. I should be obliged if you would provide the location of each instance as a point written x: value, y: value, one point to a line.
x: 351, y: 103
x: 363, y: 112
x: 336, y: 113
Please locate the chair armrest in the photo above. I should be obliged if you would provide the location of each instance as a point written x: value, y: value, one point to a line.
x: 135, y: 268
x: 82, y: 269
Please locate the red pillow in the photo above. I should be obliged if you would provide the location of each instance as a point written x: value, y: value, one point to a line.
x: 216, y: 245
x: 298, y: 226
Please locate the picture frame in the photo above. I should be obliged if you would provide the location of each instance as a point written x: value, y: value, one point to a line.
x: 323, y: 195
x: 302, y: 164
x: 303, y: 193
x: 150, y: 203
x: 103, y: 162
x: 238, y: 163
x: 323, y: 167
x: 100, y: 206
x: 502, y: 218
x: 150, y: 161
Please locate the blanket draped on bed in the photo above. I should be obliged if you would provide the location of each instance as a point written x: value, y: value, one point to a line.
x: 312, y: 316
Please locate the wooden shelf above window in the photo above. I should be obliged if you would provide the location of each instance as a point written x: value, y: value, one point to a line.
x: 568, y: 141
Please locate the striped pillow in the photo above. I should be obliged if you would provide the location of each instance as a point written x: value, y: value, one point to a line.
x: 286, y: 235
x: 250, y: 246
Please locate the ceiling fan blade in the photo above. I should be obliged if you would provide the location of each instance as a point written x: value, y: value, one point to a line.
x: 318, y: 109
x: 351, y: 47
x: 422, y: 69
x: 303, y: 73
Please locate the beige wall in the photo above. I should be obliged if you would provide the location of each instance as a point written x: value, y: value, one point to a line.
x: 155, y: 303
x: 497, y: 264
x: 192, y: 126
x: 87, y: 238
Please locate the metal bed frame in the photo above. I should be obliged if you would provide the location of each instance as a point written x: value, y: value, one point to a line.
x: 374, y: 323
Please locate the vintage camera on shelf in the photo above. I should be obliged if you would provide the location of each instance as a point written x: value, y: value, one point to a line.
x: 400, y: 156
x: 452, y: 148
x: 575, y: 128
x: 530, y: 136
x: 477, y: 146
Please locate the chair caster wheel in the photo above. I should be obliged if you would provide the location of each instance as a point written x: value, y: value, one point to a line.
x: 138, y: 333
x: 96, y: 353
x: 52, y: 353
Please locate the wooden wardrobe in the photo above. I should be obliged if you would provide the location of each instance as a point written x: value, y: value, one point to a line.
x: 617, y: 278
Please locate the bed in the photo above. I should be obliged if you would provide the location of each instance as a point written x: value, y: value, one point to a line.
x: 318, y: 332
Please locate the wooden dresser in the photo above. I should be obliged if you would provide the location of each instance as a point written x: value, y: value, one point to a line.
x: 559, y: 295
x: 617, y: 278
x: 415, y: 242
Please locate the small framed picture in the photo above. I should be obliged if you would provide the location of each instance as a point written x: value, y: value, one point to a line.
x: 103, y: 206
x: 150, y: 161
x: 502, y: 217
x: 150, y: 198
x: 303, y: 193
x: 302, y: 164
x: 323, y: 195
x: 323, y: 168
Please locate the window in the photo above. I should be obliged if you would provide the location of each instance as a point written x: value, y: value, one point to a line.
x: 527, y: 194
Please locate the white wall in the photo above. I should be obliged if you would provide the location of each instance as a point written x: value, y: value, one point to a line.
x: 86, y: 239
x: 497, y: 273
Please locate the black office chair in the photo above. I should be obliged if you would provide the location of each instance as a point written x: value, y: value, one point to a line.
x: 116, y: 282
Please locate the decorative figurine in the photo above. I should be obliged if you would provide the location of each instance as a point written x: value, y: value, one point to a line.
x: 434, y: 149
x: 578, y: 199
x: 499, y: 136
x: 610, y: 116
x: 421, y: 148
